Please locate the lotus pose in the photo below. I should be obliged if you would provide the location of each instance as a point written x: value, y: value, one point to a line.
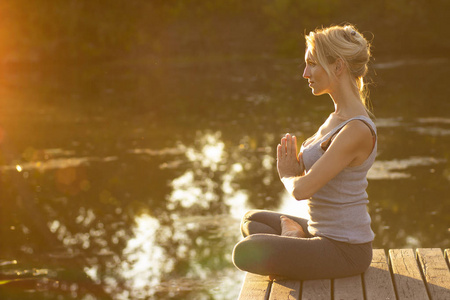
x: 329, y: 173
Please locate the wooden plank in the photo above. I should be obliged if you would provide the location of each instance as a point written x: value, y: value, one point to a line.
x: 348, y: 288
x: 436, y: 273
x: 255, y: 287
x: 407, y: 278
x: 285, y: 290
x: 316, y: 289
x: 377, y: 279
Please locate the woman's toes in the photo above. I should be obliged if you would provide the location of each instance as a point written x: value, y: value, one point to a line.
x: 291, y: 228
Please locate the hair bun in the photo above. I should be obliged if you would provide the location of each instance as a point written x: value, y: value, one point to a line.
x: 346, y: 43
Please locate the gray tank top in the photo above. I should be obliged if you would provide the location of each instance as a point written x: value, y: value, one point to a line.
x: 339, y: 209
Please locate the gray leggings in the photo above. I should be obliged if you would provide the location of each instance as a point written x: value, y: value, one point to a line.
x: 264, y: 251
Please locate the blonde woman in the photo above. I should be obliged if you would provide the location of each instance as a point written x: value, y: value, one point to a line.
x: 329, y: 173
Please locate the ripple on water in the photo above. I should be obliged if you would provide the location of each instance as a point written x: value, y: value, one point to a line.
x: 433, y: 131
x: 388, y: 122
x: 434, y: 120
x: 393, y: 169
x: 55, y: 163
x: 410, y: 62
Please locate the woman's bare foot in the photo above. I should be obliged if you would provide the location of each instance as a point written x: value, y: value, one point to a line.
x: 276, y: 277
x: 291, y: 228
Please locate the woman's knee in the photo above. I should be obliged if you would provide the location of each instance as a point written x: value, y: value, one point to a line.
x: 238, y: 256
x: 246, y: 220
x: 252, y: 254
x: 242, y: 257
x: 250, y: 215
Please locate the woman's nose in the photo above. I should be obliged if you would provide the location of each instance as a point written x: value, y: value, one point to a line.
x: 306, y: 73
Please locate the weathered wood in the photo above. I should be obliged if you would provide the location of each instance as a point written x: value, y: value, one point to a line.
x: 348, y: 288
x: 407, y: 278
x: 427, y: 277
x: 285, y: 290
x: 255, y: 287
x: 377, y: 279
x: 316, y: 289
x: 436, y: 273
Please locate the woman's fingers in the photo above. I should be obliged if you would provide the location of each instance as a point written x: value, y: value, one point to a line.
x: 294, y: 146
x: 288, y: 144
x: 283, y: 146
x: 291, y: 147
x: 288, y: 163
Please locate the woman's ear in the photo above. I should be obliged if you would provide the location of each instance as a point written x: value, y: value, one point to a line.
x: 339, y: 66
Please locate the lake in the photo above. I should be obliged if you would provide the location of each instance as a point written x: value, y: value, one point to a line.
x: 129, y: 181
x: 127, y: 178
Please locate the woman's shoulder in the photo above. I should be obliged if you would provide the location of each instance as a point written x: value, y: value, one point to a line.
x: 358, y: 138
x: 358, y: 128
x: 361, y: 123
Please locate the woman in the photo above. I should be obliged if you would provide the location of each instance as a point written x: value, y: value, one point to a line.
x: 329, y: 172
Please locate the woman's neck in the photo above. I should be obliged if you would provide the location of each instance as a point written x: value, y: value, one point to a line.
x: 349, y: 108
x: 347, y: 102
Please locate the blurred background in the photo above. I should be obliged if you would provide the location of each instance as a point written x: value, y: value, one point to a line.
x: 135, y: 134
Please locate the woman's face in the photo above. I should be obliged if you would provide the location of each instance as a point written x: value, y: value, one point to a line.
x: 318, y: 79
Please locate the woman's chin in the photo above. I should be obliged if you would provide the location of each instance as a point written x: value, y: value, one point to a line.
x: 317, y: 92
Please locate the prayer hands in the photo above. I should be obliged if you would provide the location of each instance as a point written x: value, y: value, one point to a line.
x: 288, y: 163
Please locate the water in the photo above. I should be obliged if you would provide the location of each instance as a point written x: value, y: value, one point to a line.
x: 127, y: 178
x: 132, y: 185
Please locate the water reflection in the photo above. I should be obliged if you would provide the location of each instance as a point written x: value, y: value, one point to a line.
x: 149, y: 207
x: 410, y: 62
x: 389, y: 122
x: 433, y: 131
x: 51, y: 161
x: 198, y: 186
x: 167, y: 257
x: 391, y: 169
x: 143, y: 261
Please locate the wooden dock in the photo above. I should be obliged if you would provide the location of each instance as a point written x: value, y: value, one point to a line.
x: 402, y: 274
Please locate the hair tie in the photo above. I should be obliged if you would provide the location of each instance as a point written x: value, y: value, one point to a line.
x: 353, y: 33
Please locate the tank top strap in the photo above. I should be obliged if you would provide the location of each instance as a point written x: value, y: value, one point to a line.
x: 326, y: 143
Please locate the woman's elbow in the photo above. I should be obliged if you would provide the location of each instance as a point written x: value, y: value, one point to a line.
x: 304, y: 188
x: 301, y: 194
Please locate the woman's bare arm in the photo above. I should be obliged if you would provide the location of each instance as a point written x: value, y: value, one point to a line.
x: 351, y: 146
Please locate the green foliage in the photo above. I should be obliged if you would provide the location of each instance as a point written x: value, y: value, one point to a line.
x: 85, y: 30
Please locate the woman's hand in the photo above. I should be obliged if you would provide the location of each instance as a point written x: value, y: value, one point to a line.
x: 288, y: 163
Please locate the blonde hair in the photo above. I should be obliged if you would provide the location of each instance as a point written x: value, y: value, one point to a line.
x: 345, y: 42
